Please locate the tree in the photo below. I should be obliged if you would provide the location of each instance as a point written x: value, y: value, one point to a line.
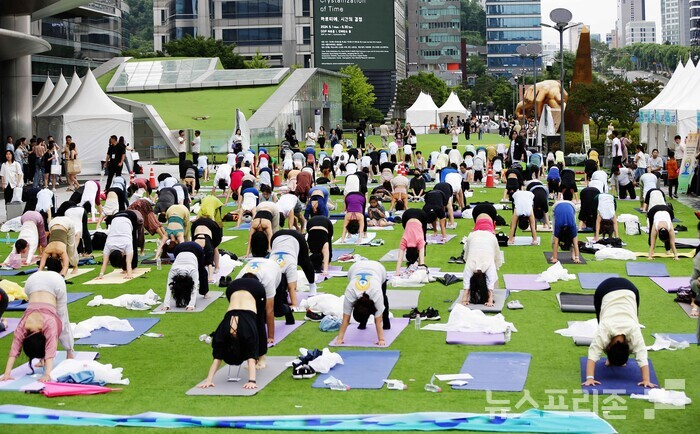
x: 476, y: 65
x: 604, y: 102
x: 409, y: 88
x: 205, y: 47
x: 643, y: 92
x: 554, y: 72
x: 499, y: 91
x: 257, y: 62
x: 137, y: 27
x: 358, y: 94
x: 473, y: 22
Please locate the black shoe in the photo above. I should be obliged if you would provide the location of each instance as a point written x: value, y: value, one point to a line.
x: 412, y: 314
x: 681, y: 228
x: 289, y: 318
x: 459, y: 260
x: 430, y: 314
x: 303, y: 371
x: 313, y: 316
x: 222, y: 282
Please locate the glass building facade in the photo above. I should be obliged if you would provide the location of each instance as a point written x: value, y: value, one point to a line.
x: 509, y: 24
x: 695, y: 23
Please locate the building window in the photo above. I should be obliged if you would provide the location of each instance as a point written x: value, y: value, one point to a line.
x: 512, y: 22
x: 181, y: 32
x: 306, y: 40
x: 183, y: 9
x: 306, y: 8
x: 251, y: 9
x: 253, y: 36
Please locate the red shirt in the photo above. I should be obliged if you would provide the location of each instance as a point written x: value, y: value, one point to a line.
x: 236, y: 179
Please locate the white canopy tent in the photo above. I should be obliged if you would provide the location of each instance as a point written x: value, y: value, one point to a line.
x: 453, y: 107
x: 91, y: 117
x: 56, y: 94
x: 422, y: 114
x: 44, y: 93
x: 43, y: 119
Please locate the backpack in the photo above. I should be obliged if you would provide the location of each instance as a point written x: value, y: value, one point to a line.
x: 633, y: 228
x: 502, y: 239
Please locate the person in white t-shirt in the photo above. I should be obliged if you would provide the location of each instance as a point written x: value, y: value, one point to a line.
x: 196, y: 146
x: 523, y: 215
x: 647, y: 182
x: 393, y: 150
x: 625, y: 182
x: 222, y: 178
x: 606, y: 221
x: 203, y: 167
x: 408, y: 154
x: 640, y: 160
x: 310, y: 138
x: 182, y: 146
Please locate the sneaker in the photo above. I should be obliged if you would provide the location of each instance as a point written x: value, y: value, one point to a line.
x: 297, y: 371
x: 430, y: 314
x: 313, y: 316
x: 412, y: 314
x: 308, y: 372
x: 222, y: 282
x: 459, y: 260
x: 515, y: 304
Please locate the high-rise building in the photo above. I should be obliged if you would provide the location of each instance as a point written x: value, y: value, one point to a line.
x: 434, y: 39
x: 278, y: 29
x: 611, y: 38
x: 596, y: 37
x: 694, y: 23
x: 574, y: 36
x: 510, y: 24
x: 643, y: 32
x: 81, y: 38
x: 628, y: 11
x: 675, y: 22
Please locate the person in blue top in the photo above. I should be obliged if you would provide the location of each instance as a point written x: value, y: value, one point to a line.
x: 534, y: 165
x: 565, y: 234
x: 318, y: 203
x: 553, y: 180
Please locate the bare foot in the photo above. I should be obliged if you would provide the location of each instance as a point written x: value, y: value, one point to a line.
x: 489, y: 303
x: 553, y: 260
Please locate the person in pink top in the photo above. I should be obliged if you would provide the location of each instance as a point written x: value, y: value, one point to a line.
x: 44, y: 323
x: 484, y: 215
x: 412, y: 242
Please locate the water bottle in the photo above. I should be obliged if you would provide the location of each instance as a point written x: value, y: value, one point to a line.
x: 340, y: 387
x: 417, y: 322
x: 205, y: 338
x: 159, y: 264
x: 507, y: 334
x: 8, y: 241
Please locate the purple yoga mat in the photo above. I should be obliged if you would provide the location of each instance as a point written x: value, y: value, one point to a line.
x: 671, y: 284
x: 475, y: 338
x: 355, y: 337
x: 283, y: 330
x: 11, y: 326
x: 617, y: 380
x: 524, y: 282
x: 304, y: 296
x: 437, y: 239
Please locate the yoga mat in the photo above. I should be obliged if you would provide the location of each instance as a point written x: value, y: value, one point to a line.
x: 569, y: 302
x: 337, y: 253
x: 366, y: 338
x: 352, y: 239
x: 525, y: 241
x: 666, y: 255
x: 564, y: 258
x: 499, y: 300
x: 437, y: 239
x: 242, y: 227
x: 691, y: 338
x: 104, y: 336
x: 80, y: 272
x: 403, y: 299
x: 593, y: 280
x: 283, y: 330
x: 671, y: 284
x: 227, y: 238
x: 475, y: 338
x: 390, y: 256
x: 693, y: 242
x: 24, y: 380
x: 380, y: 228
x: 11, y: 327
x: 499, y: 372
x: 687, y: 308
x: 18, y: 272
x: 617, y: 380
x: 21, y: 305
x: 524, y: 282
x: 362, y: 369
x: 263, y: 377
x: 200, y: 305
x: 532, y: 420
x: 648, y: 269
x: 333, y: 271
x: 117, y: 278
x: 541, y: 228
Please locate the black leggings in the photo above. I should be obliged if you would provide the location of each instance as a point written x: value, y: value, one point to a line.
x: 386, y: 323
x: 257, y: 290
x: 281, y: 304
x: 610, y: 285
x: 627, y: 189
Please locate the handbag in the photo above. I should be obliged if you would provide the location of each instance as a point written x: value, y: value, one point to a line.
x: 74, y: 167
x: 413, y: 140
x: 135, y: 156
x: 55, y: 169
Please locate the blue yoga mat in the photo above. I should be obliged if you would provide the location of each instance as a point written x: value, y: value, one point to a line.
x: 647, y: 269
x: 20, y: 305
x: 87, y: 261
x: 362, y: 369
x: 20, y: 272
x: 691, y: 338
x: 243, y: 227
x: 593, y: 280
x: 102, y: 336
x: 337, y: 253
x: 500, y: 372
x: 617, y: 380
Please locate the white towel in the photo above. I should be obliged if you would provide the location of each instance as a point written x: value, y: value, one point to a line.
x: 85, y: 328
x: 555, y: 273
x: 129, y: 301
x: 463, y: 319
x: 663, y: 396
x: 101, y: 372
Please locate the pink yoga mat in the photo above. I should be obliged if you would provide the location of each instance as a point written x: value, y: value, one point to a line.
x: 524, y: 282
x: 355, y: 337
x: 11, y: 326
x: 671, y: 284
x: 475, y: 338
x: 283, y: 330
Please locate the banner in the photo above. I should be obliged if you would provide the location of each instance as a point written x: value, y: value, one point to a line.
x: 586, y: 137
x: 687, y: 166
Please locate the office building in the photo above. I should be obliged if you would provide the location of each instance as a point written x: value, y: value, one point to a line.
x: 675, y: 22
x: 611, y: 39
x: 510, y: 24
x: 627, y: 11
x: 278, y: 29
x: 695, y: 23
x: 574, y: 36
x: 434, y: 39
x: 596, y: 37
x: 643, y: 32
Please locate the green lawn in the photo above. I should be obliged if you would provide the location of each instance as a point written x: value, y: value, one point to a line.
x: 162, y: 370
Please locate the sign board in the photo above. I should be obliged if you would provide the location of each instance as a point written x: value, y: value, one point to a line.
x: 586, y: 137
x: 360, y: 32
x: 687, y: 166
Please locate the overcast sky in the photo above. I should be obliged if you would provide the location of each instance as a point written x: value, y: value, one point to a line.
x: 599, y: 15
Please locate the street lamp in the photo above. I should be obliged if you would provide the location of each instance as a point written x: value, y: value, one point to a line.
x: 562, y: 22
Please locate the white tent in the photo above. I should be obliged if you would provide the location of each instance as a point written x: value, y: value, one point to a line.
x: 422, y: 114
x: 43, y: 119
x: 44, y: 92
x: 688, y: 107
x: 56, y: 94
x: 91, y: 118
x: 452, y: 108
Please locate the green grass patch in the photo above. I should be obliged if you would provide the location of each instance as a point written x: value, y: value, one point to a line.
x: 104, y: 79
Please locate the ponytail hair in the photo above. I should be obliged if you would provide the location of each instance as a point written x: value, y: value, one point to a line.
x: 478, y: 289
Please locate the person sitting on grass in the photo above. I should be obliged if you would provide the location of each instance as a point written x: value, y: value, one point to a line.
x: 19, y: 250
x: 482, y: 258
x: 565, y: 233
x: 413, y: 240
x: 523, y: 215
x: 660, y: 219
x: 606, y: 220
x: 183, y: 277
x: 241, y: 336
x: 616, y: 302
x: 365, y: 295
x: 695, y: 281
x: 354, y: 221
x: 377, y: 214
x: 416, y: 191
x: 44, y: 323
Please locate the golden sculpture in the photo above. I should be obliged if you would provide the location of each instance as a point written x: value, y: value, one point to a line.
x: 547, y: 93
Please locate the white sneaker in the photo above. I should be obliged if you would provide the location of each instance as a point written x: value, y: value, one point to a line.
x: 515, y: 304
